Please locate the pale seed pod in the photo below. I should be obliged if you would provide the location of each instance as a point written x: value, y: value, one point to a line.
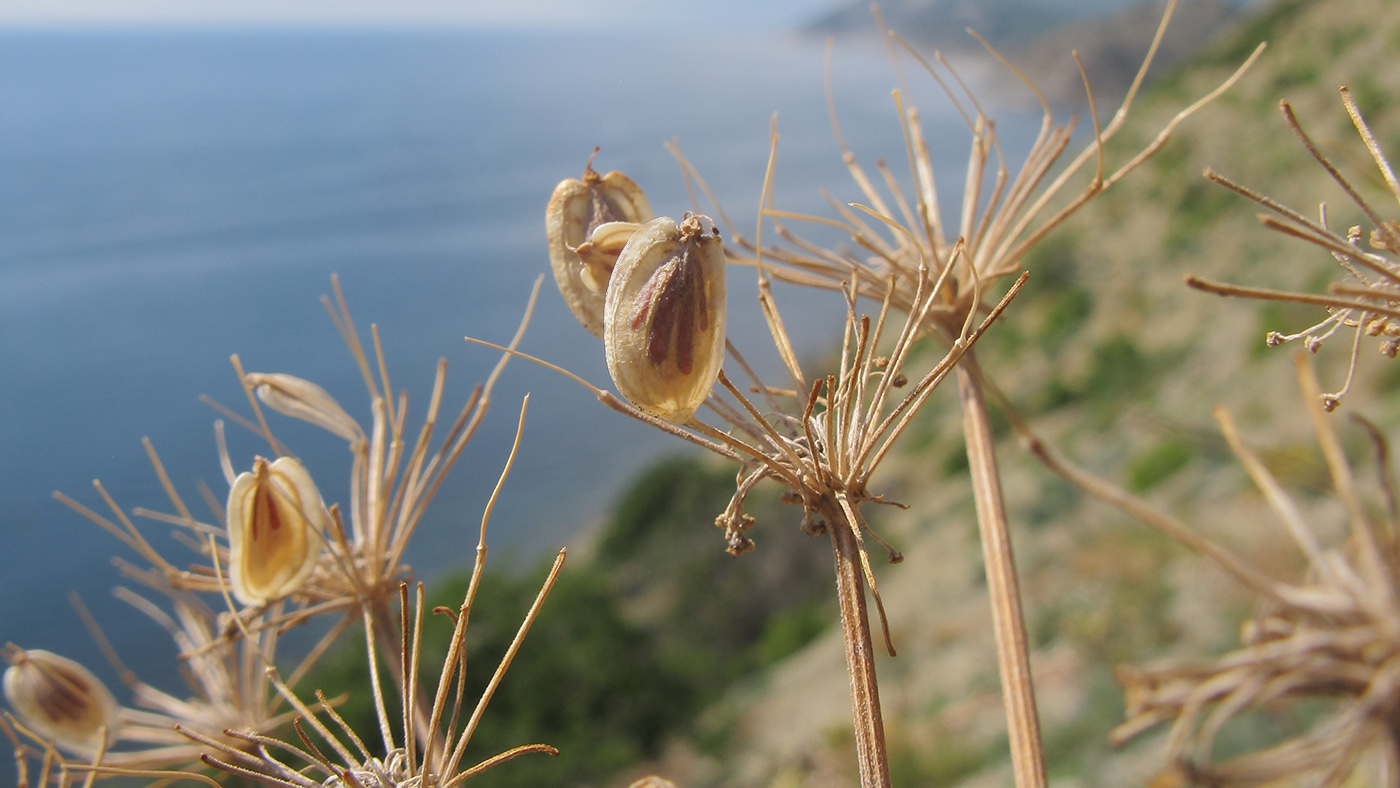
x: 576, y: 209
x: 276, y: 520
x: 664, y: 317
x: 598, y: 255
x: 61, y: 700
x: 302, y: 399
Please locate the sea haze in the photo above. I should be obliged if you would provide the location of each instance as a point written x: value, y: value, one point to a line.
x: 168, y: 199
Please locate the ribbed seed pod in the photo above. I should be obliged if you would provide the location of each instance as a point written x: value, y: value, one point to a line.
x: 664, y: 317
x: 576, y: 209
x: 61, y: 700
x: 275, y: 522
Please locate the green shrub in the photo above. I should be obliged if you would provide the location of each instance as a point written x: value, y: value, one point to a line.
x: 1158, y: 464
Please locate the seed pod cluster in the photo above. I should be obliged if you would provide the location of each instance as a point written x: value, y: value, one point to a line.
x: 61, y: 700
x: 276, y: 519
x: 664, y: 316
x: 581, y: 258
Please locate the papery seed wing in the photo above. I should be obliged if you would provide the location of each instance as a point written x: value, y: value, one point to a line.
x: 665, y: 316
x: 302, y: 399
x: 576, y: 209
x: 61, y: 700
x: 275, y: 521
x: 598, y: 255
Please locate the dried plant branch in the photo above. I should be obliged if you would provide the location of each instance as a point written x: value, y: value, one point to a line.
x: 1366, y: 299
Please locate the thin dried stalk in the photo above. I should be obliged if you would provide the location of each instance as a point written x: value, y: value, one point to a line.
x: 871, y: 754
x: 1008, y: 619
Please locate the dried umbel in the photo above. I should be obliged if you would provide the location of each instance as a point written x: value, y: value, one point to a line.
x: 275, y: 524
x: 577, y: 209
x: 664, y: 317
x: 355, y: 558
x: 1325, y: 644
x: 61, y: 701
x: 1367, y: 299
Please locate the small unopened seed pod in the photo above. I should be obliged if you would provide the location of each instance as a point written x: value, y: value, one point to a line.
x: 576, y: 209
x: 61, y: 700
x: 275, y: 524
x: 302, y: 399
x: 664, y: 317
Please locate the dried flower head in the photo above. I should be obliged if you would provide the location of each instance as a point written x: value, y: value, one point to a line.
x: 276, y: 525
x: 1367, y: 300
x: 1002, y: 217
x: 60, y: 700
x: 1331, y: 638
x: 664, y: 317
x: 576, y: 212
x: 289, y: 556
x: 428, y: 749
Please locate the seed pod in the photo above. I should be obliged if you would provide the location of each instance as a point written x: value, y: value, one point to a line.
x: 302, y: 399
x: 576, y: 210
x: 61, y: 700
x: 275, y: 521
x: 664, y: 317
x: 598, y: 255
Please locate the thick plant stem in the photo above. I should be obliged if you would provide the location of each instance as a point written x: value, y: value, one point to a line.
x: 860, y: 653
x: 1013, y: 651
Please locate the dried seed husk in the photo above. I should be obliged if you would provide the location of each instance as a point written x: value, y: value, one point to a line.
x: 664, y: 317
x: 276, y: 522
x: 576, y: 209
x: 61, y: 700
x: 302, y: 399
x: 598, y: 255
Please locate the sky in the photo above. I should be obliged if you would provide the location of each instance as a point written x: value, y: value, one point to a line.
x: 504, y: 14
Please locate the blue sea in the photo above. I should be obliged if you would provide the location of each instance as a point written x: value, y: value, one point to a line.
x: 168, y: 199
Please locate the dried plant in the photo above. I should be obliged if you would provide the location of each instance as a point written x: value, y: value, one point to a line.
x: 1002, y: 218
x: 280, y: 552
x: 1330, y: 636
x: 418, y: 755
x: 1367, y: 300
x: 824, y: 446
x: 655, y: 294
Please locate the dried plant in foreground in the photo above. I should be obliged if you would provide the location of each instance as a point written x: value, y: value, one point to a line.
x: 1002, y: 218
x: 823, y: 441
x: 227, y: 689
x: 417, y: 756
x: 278, y: 549
x: 1367, y: 300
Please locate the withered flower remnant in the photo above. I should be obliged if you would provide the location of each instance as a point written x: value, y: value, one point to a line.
x: 576, y: 210
x: 60, y: 700
x: 664, y: 317
x: 275, y: 521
